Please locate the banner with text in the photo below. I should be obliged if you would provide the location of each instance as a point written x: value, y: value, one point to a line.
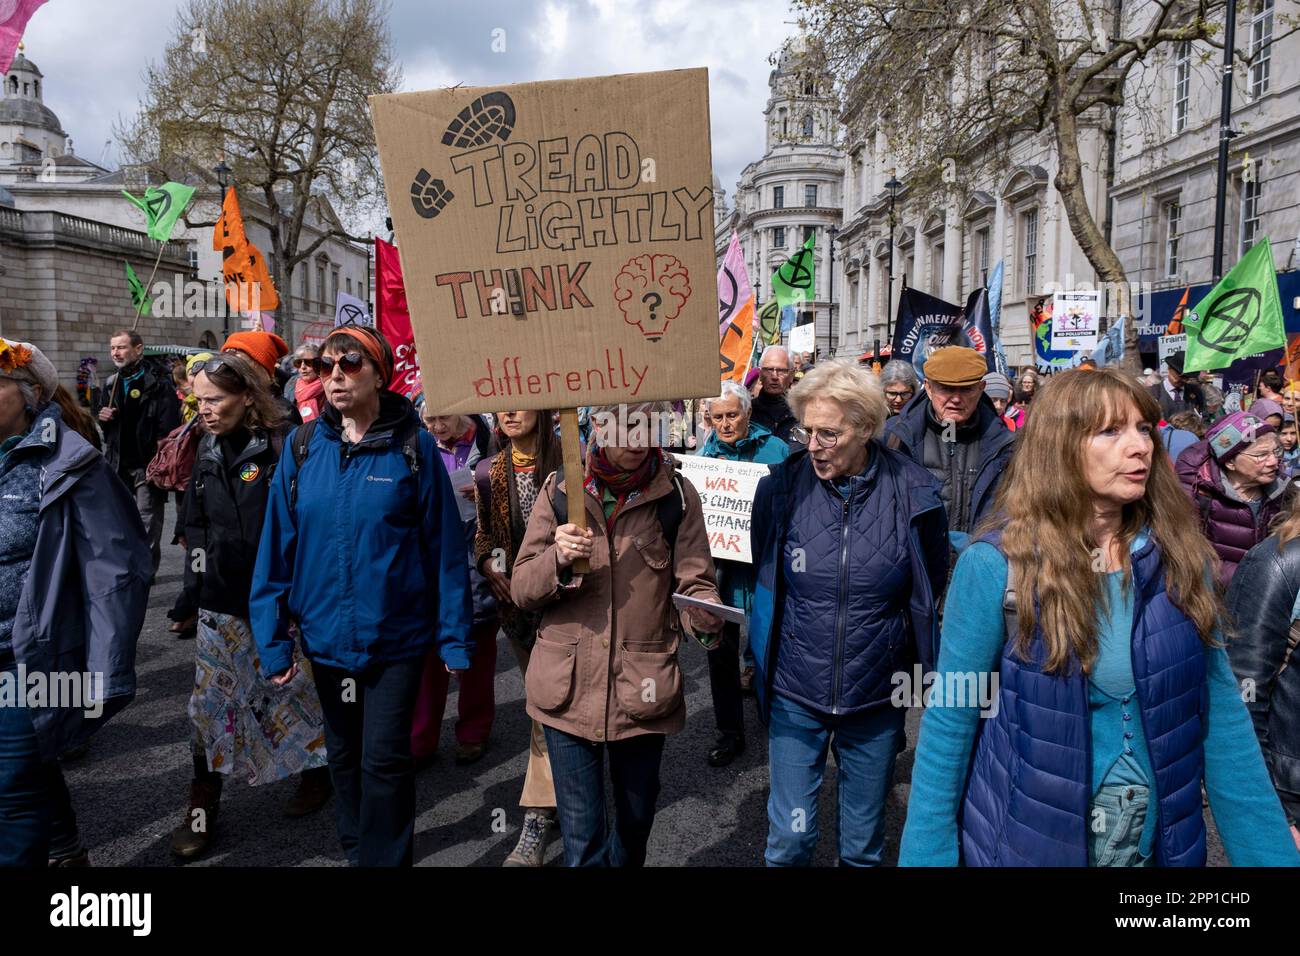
x: 557, y: 239
x: 726, y: 490
x: 1076, y: 320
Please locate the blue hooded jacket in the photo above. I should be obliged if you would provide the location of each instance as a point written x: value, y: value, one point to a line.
x: 873, y: 562
x: 372, y: 563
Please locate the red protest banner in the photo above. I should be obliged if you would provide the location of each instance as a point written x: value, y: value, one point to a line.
x: 394, y: 320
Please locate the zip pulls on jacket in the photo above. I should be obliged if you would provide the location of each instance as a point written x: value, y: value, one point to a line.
x: 841, y: 610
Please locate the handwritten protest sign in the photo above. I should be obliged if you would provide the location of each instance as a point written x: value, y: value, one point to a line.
x: 727, y: 495
x: 556, y: 239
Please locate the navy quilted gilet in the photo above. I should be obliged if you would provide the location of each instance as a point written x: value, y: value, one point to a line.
x: 1028, y: 790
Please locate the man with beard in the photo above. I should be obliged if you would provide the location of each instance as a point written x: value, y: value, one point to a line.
x: 140, y: 407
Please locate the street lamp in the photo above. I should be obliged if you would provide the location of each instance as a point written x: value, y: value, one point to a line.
x: 223, y: 175
x: 830, y: 296
x: 893, y: 186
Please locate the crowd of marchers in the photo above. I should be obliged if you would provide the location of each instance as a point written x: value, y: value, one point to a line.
x: 1117, y: 558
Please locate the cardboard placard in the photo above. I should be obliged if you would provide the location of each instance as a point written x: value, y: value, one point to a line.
x: 1076, y: 320
x: 801, y: 338
x: 726, y: 490
x: 556, y: 239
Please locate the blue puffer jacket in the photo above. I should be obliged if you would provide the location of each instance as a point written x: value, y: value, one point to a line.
x: 858, y: 603
x: 736, y: 578
x: 1027, y: 797
x: 372, y: 563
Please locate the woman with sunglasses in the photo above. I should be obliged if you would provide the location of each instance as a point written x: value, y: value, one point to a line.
x: 1234, y: 479
x: 305, y: 389
x: 850, y: 558
x: 363, y: 549
x: 242, y: 723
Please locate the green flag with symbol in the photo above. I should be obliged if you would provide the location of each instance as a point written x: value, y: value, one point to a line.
x: 1240, y: 316
x: 793, y: 282
x: 139, y: 297
x: 162, y: 206
x: 769, y: 325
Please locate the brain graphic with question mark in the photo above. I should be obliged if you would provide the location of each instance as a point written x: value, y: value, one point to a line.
x: 650, y: 291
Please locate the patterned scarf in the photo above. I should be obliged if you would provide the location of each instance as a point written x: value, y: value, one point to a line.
x: 603, y: 474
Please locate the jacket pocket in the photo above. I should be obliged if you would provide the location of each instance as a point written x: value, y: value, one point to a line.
x: 549, y: 681
x: 650, y: 682
x: 653, y: 550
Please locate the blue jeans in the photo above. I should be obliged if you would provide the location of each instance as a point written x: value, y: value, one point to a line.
x: 36, y: 816
x: 1116, y: 816
x: 865, y: 746
x: 578, y: 767
x: 368, y: 739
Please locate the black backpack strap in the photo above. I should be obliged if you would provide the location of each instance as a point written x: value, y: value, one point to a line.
x: 301, y: 444
x: 411, y: 450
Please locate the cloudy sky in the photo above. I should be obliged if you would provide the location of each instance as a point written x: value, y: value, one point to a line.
x: 93, y: 53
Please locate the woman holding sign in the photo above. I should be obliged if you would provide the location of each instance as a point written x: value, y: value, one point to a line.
x: 734, y: 438
x: 851, y: 556
x: 603, y: 676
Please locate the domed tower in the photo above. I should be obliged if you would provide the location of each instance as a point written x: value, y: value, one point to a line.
x: 800, y: 109
x: 30, y: 133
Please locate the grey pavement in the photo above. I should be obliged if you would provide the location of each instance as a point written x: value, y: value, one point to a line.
x: 131, y: 788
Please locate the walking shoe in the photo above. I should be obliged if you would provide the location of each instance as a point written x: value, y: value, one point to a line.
x: 747, y: 681
x: 469, y: 753
x: 79, y: 858
x: 314, y: 790
x: 193, y: 836
x: 726, y: 750
x: 538, y: 831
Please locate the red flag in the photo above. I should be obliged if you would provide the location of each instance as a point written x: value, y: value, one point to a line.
x: 12, y: 25
x: 394, y: 321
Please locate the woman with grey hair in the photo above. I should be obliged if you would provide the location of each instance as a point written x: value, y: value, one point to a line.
x: 735, y: 438
x: 898, y: 379
x: 74, y: 582
x: 851, y: 555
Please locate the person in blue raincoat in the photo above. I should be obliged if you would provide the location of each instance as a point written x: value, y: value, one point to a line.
x: 735, y: 437
x: 363, y: 549
x: 74, y: 583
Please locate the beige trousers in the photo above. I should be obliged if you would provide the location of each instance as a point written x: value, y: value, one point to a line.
x: 539, y: 785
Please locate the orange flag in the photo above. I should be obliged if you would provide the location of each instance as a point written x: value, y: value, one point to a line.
x: 737, y: 346
x: 248, y: 280
x: 1176, y: 323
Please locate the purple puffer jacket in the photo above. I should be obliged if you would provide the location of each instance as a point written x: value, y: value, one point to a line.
x: 1227, y: 522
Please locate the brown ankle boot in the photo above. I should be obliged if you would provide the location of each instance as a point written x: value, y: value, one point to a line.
x: 193, y: 836
x: 314, y: 789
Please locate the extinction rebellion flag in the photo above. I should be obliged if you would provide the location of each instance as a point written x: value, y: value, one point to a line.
x: 1241, y: 316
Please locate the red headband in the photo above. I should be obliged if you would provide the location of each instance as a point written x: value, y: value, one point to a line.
x: 372, y: 349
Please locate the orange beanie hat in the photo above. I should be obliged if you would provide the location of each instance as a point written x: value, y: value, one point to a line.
x: 264, y: 348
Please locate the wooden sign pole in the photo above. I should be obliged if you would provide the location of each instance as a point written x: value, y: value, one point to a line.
x: 573, y: 476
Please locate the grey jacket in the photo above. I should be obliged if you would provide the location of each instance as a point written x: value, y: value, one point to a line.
x: 84, y: 600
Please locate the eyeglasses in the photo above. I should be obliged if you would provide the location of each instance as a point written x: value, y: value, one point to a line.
x: 763, y: 370
x: 350, y: 362
x: 901, y: 396
x: 825, y: 437
x: 1277, y: 452
x: 299, y: 363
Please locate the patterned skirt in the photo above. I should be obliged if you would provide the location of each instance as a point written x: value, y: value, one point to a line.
x: 243, y: 722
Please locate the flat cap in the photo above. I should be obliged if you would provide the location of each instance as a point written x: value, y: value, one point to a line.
x: 956, y: 366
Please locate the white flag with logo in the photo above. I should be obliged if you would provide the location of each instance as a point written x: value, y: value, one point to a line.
x: 349, y: 310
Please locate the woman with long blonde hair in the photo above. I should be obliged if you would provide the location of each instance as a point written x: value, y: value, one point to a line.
x: 1085, y: 614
